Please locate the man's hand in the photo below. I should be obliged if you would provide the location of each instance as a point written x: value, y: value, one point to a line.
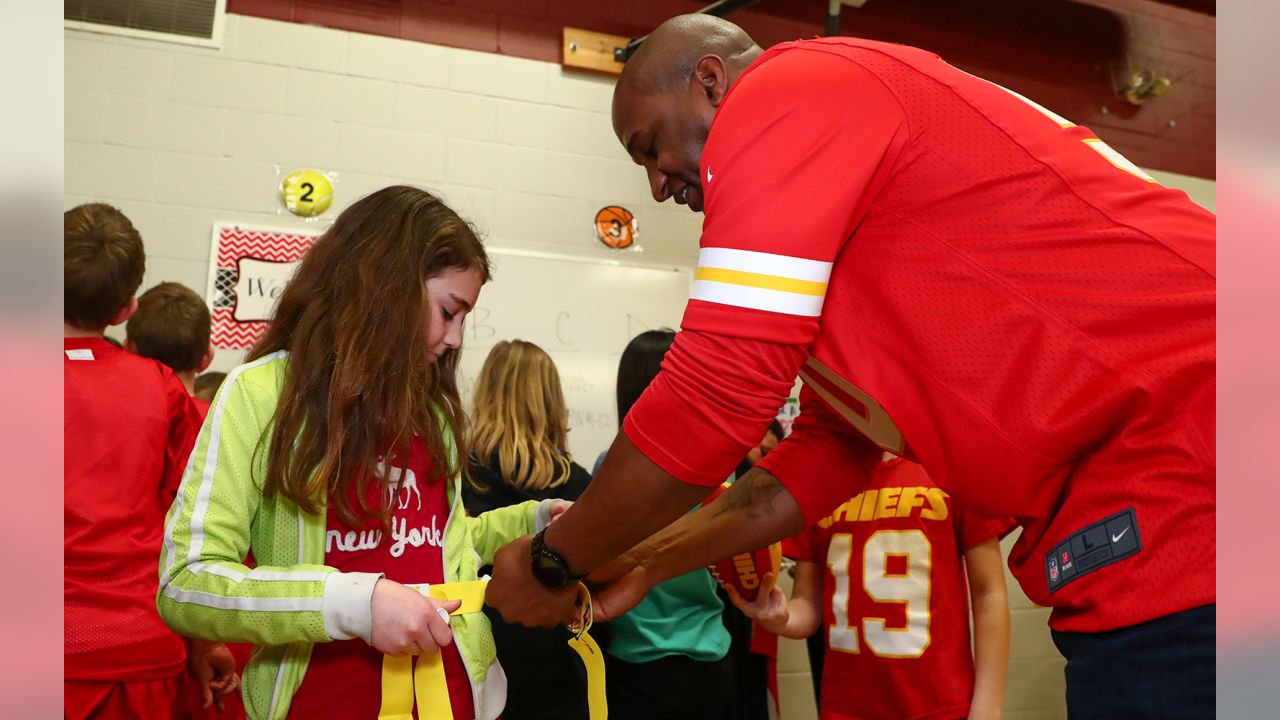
x: 618, y: 587
x: 753, y: 513
x: 214, y: 668
x: 520, y: 597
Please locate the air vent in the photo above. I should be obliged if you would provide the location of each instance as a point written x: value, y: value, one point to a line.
x: 192, y: 22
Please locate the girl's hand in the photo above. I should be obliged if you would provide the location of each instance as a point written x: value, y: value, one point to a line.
x: 557, y: 509
x: 406, y: 622
x: 769, y: 609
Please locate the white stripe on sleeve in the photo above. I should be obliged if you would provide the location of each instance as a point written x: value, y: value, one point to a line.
x: 765, y: 264
x: 757, y: 298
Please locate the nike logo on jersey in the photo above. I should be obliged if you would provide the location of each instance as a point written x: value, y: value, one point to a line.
x: 1087, y: 550
x: 708, y: 176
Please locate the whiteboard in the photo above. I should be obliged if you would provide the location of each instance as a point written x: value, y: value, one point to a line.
x: 583, y: 312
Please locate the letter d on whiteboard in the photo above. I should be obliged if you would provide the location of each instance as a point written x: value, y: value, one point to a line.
x: 258, y: 286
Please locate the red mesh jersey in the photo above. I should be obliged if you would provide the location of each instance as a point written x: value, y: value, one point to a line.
x: 202, y: 406
x: 129, y: 426
x: 966, y: 278
x: 895, y: 598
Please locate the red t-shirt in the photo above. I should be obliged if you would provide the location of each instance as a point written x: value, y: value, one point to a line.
x: 895, y: 598
x: 128, y: 427
x: 971, y: 281
x: 344, y: 677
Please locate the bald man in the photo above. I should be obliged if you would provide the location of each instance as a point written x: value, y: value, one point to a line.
x: 959, y: 276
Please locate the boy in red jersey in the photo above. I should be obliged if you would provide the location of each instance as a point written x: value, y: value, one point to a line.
x: 129, y: 426
x: 172, y: 325
x: 963, y: 278
x: 883, y: 579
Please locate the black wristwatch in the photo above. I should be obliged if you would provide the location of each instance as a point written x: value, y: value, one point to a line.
x: 549, y: 566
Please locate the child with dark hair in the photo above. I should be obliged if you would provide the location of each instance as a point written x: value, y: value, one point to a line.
x: 207, y: 384
x: 172, y: 325
x: 129, y: 427
x: 666, y: 658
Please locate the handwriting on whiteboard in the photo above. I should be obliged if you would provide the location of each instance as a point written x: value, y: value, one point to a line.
x: 563, y: 329
x: 593, y: 419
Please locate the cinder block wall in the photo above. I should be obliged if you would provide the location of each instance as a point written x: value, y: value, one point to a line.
x: 179, y: 137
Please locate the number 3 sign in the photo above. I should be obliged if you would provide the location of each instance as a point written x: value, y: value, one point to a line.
x: 307, y: 193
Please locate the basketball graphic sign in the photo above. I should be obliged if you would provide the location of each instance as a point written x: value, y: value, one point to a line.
x: 616, y: 227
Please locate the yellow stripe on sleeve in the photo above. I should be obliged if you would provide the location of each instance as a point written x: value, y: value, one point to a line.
x: 760, y: 280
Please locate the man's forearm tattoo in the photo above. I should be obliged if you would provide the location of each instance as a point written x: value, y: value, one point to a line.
x: 752, y: 495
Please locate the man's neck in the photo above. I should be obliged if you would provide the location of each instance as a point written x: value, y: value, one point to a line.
x: 71, y: 331
x: 188, y: 379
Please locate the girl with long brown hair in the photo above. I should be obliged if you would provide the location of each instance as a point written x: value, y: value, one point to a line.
x: 519, y: 454
x: 334, y: 455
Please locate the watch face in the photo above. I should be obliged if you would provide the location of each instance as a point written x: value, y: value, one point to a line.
x: 549, y: 572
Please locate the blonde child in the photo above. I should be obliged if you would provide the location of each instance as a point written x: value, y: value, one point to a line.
x: 334, y: 455
x: 519, y: 447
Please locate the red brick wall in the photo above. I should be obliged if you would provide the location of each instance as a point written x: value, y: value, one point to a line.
x: 1062, y: 54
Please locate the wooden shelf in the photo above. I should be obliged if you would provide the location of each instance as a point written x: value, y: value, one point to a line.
x: 591, y: 51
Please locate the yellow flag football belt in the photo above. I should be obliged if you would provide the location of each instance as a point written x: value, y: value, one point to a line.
x: 403, y: 680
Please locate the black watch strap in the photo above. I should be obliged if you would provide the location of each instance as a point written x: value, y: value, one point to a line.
x: 549, y: 566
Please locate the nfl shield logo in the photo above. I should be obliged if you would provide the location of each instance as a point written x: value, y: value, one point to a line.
x: 1053, y: 571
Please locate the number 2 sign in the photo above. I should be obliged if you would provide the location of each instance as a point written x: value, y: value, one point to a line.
x: 306, y: 193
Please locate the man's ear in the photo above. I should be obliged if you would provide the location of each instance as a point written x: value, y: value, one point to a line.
x: 711, y: 79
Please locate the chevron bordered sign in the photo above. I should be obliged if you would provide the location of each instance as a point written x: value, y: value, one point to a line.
x: 250, y: 267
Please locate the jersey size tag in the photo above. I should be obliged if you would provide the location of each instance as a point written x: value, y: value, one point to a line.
x: 79, y: 354
x: 1097, y: 546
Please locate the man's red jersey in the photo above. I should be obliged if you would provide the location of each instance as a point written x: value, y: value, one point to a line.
x: 895, y: 598
x: 967, y: 279
x: 129, y: 427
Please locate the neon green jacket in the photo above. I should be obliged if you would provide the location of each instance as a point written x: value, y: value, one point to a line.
x: 291, y: 599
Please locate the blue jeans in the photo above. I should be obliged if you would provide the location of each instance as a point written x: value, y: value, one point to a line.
x: 1159, y: 670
